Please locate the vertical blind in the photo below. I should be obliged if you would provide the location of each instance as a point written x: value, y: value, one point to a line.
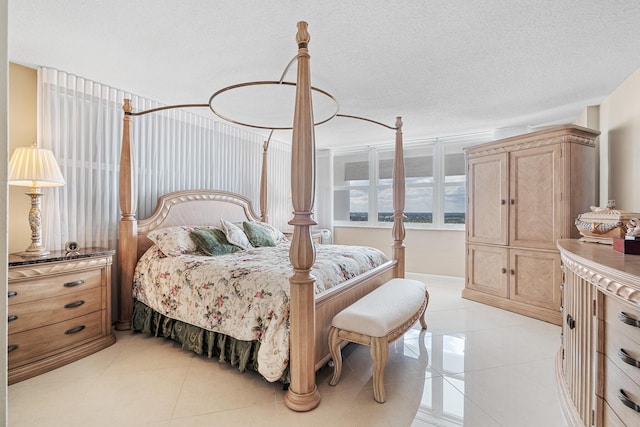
x: 81, y: 122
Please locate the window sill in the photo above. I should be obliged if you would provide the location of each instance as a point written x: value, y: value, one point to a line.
x: 407, y: 226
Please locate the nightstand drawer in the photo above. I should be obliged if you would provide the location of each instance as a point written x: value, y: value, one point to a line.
x: 36, y: 343
x: 30, y: 315
x: 49, y: 286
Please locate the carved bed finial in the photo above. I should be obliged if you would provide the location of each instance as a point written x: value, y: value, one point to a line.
x: 399, y: 123
x: 302, y: 36
x: 127, y: 106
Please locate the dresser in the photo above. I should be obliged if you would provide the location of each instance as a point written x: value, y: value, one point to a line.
x: 59, y: 310
x: 598, y: 365
x: 523, y: 194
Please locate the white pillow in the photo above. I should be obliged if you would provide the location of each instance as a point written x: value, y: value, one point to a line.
x: 235, y: 234
x: 174, y: 241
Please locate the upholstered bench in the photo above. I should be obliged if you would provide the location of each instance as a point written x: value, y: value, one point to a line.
x: 376, y: 320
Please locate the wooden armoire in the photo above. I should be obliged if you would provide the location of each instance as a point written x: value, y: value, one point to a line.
x: 523, y: 194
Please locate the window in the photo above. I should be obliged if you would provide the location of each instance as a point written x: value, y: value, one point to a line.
x: 435, y: 184
x: 351, y: 183
x: 418, y: 166
x: 454, y: 186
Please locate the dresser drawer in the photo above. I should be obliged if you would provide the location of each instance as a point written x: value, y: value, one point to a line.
x: 36, y: 343
x: 35, y: 288
x: 623, y: 318
x: 34, y: 314
x: 618, y: 383
x: 609, y: 418
x: 623, y: 352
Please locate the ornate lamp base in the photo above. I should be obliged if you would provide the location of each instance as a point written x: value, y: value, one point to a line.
x: 33, y: 254
x: 35, y: 249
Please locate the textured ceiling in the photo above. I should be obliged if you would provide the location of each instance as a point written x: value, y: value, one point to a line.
x: 446, y: 67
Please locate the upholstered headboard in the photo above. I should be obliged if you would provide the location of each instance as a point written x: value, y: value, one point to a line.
x: 194, y: 207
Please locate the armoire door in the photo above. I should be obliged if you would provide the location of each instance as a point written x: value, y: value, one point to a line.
x: 535, y: 279
x: 535, y: 197
x: 487, y: 191
x: 487, y: 268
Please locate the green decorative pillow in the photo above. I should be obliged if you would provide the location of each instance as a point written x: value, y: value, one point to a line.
x: 212, y: 242
x: 258, y: 235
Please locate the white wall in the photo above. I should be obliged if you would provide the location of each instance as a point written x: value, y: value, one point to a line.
x: 620, y: 144
x: 438, y: 252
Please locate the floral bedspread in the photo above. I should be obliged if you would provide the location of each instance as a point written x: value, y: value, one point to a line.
x: 245, y: 294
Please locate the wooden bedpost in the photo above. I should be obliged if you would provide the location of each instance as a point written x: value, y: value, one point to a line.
x: 302, y: 394
x: 264, y: 215
x: 398, y: 230
x: 127, y: 232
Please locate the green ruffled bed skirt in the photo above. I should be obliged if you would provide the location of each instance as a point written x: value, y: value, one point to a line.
x: 243, y: 354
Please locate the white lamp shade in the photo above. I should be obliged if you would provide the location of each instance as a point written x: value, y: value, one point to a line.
x: 34, y: 167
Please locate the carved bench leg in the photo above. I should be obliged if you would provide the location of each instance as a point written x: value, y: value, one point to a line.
x: 336, y: 355
x: 379, y: 354
x: 423, y: 321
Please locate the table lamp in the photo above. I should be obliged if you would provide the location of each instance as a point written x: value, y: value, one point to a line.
x: 34, y: 167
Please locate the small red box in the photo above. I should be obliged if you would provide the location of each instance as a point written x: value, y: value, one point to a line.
x: 626, y: 246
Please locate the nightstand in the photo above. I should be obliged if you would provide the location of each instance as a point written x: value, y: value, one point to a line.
x: 59, y: 310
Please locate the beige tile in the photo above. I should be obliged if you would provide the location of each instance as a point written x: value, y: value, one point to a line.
x: 520, y: 395
x: 210, y: 386
x: 42, y: 402
x: 346, y: 408
x: 441, y: 404
x: 131, y: 399
x: 257, y: 415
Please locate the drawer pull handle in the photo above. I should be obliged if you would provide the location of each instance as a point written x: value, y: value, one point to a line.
x: 504, y: 270
x: 72, y: 284
x: 74, y: 330
x: 12, y: 347
x: 626, y: 319
x: 628, y: 359
x: 628, y: 402
x: 12, y: 318
x: 571, y: 323
x: 12, y: 294
x: 74, y: 304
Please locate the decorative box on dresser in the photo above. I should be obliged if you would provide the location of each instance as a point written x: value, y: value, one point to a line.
x: 523, y: 194
x: 598, y: 365
x: 59, y: 310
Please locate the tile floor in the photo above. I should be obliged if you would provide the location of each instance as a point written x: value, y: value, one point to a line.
x: 474, y: 366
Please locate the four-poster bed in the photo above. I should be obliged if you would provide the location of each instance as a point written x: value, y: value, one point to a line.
x: 310, y: 314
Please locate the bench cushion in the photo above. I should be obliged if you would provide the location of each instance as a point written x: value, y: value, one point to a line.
x: 383, y: 310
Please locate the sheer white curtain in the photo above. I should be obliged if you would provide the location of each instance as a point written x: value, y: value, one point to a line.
x: 324, y: 189
x: 81, y: 122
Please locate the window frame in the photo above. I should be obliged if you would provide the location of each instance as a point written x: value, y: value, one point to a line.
x: 439, y: 148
